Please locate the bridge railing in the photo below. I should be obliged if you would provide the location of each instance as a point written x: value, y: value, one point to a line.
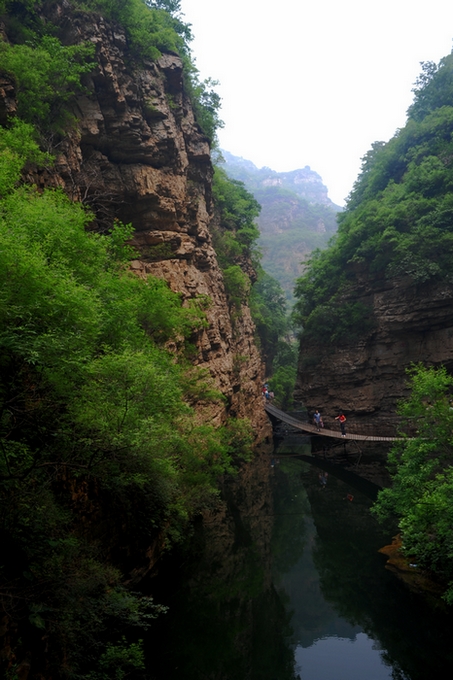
x: 387, y: 426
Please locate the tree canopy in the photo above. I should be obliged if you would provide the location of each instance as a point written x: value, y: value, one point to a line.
x: 48, y: 72
x: 398, y: 219
x: 422, y: 471
x: 94, y: 407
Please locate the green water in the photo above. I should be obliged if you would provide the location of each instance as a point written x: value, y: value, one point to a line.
x: 287, y: 582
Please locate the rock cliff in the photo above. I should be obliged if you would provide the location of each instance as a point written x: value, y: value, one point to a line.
x: 367, y: 378
x: 137, y: 154
x: 296, y: 216
x: 134, y: 153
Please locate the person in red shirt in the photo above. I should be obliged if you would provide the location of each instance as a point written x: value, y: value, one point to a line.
x: 342, y: 418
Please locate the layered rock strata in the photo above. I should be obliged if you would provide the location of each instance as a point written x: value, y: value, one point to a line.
x: 412, y: 323
x: 138, y: 155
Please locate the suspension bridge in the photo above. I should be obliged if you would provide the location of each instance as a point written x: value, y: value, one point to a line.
x: 277, y: 413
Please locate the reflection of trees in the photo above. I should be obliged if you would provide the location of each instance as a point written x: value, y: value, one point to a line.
x: 291, y: 507
x: 225, y: 638
x: 293, y: 536
x: 415, y: 634
x: 226, y: 621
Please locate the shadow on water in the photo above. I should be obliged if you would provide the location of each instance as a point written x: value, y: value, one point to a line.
x: 286, y: 563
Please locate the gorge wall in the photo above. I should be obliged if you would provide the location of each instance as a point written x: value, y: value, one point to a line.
x: 133, y: 153
x: 137, y: 154
x: 411, y: 323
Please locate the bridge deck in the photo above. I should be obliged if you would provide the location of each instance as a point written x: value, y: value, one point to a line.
x: 306, y: 427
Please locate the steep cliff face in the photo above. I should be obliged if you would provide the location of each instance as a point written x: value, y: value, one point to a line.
x: 412, y: 323
x: 296, y: 216
x: 134, y: 153
x: 137, y: 154
x: 379, y: 298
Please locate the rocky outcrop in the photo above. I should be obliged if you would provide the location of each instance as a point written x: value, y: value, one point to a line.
x: 138, y: 155
x: 303, y: 182
x: 7, y: 98
x: 296, y: 216
x: 412, y: 323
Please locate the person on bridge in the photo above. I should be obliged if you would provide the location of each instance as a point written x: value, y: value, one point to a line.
x: 342, y: 419
x: 317, y: 420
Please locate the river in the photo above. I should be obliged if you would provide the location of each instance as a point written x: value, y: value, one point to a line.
x: 285, y: 581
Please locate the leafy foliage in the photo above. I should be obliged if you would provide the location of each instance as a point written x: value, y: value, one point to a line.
x: 422, y: 474
x: 206, y: 103
x: 237, y: 285
x: 269, y: 311
x: 17, y: 148
x: 94, y: 417
x: 236, y: 234
x: 48, y: 75
x: 398, y: 217
x: 270, y: 302
x: 284, y: 372
x: 99, y: 451
x: 156, y: 26
x: 238, y: 211
x: 268, y: 308
x: 234, y: 241
x: 151, y: 29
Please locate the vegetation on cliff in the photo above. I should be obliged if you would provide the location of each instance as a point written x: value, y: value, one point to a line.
x: 422, y: 472
x: 399, y: 224
x: 95, y: 422
x: 235, y: 239
x: 38, y: 59
x: 236, y: 235
x: 296, y: 216
x: 398, y: 218
x: 101, y: 455
x: 269, y: 309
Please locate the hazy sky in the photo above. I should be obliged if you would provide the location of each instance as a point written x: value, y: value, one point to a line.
x: 315, y: 82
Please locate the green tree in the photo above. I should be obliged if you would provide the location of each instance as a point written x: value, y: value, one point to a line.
x: 268, y: 308
x: 398, y: 217
x: 98, y: 443
x: 238, y: 212
x: 48, y: 75
x: 235, y: 234
x: 422, y: 472
x: 92, y: 407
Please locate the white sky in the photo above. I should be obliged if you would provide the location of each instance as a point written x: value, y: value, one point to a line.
x: 315, y: 82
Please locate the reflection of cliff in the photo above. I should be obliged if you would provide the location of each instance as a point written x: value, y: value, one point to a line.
x: 295, y: 573
x: 226, y: 619
x: 355, y: 582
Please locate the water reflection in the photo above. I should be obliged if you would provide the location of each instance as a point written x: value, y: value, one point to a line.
x: 352, y: 588
x: 285, y: 581
x: 337, y: 658
x: 226, y: 619
x: 324, y: 640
